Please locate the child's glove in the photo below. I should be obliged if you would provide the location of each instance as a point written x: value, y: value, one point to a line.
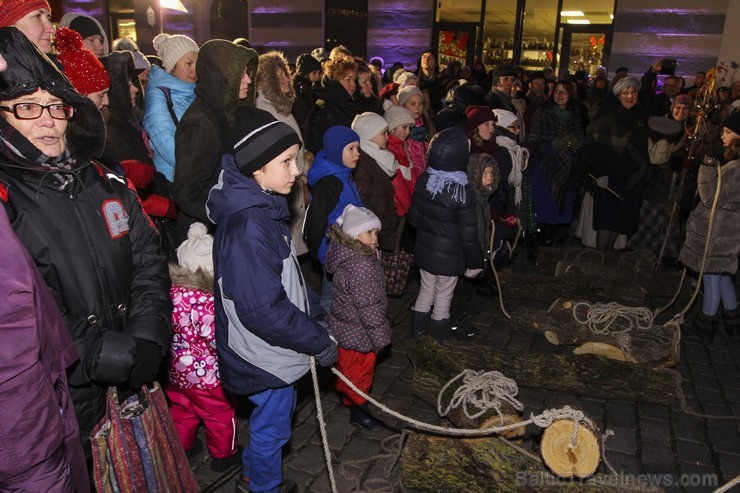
x: 328, y: 356
x: 473, y: 273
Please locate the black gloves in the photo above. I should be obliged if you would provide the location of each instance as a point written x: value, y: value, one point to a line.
x: 328, y: 356
x: 146, y: 364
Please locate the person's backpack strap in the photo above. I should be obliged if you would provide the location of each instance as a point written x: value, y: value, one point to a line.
x: 170, y: 106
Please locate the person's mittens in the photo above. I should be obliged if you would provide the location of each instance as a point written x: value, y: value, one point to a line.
x: 146, y: 364
x: 138, y: 172
x: 328, y: 356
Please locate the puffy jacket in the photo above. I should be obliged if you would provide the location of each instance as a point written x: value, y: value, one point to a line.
x: 358, y: 298
x: 332, y: 188
x: 403, y: 188
x: 203, y: 135
x: 85, y: 229
x: 447, y: 226
x: 158, y: 122
x: 265, y: 330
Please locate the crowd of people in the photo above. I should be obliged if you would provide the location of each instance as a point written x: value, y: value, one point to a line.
x: 154, y: 208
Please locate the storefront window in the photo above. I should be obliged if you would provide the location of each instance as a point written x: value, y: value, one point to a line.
x: 585, y: 29
x: 498, y: 32
x: 538, y: 37
x: 459, y: 10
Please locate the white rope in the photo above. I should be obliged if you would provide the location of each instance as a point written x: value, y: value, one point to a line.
x: 322, y: 426
x: 599, y: 318
x: 483, y: 391
x: 729, y: 485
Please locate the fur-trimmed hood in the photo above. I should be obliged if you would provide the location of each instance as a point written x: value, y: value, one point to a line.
x: 200, y: 279
x: 336, y: 234
x: 342, y: 248
x: 476, y: 166
x: 268, y: 85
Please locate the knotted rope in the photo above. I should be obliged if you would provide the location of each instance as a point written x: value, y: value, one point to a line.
x: 600, y: 317
x: 483, y: 391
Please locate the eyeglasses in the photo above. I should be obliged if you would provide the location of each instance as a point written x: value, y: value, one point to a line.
x: 32, y: 111
x: 561, y: 92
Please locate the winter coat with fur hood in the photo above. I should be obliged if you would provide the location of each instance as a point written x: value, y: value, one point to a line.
x: 279, y: 104
x: 85, y: 229
x: 204, y: 133
x: 358, y: 299
x: 724, y: 245
x: 192, y: 363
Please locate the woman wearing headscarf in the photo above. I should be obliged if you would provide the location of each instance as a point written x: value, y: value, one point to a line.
x: 84, y: 227
x: 615, y: 153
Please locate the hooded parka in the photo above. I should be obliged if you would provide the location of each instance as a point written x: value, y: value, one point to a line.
x: 203, y: 135
x: 85, y: 229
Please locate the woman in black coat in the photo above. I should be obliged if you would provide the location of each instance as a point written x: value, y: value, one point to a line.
x: 616, y: 155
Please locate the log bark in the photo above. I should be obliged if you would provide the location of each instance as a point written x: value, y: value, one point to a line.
x: 483, y: 465
x: 433, y: 370
x: 586, y: 375
x: 654, y: 346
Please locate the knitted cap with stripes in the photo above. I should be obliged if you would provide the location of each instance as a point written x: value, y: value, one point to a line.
x: 260, y: 138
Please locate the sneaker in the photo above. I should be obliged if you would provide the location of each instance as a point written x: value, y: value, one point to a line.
x: 462, y: 328
x: 195, y: 450
x: 223, y: 464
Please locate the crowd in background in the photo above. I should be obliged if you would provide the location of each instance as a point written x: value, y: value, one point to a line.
x: 106, y: 180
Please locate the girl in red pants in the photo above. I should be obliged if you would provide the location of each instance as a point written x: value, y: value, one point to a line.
x: 194, y: 387
x: 358, y: 306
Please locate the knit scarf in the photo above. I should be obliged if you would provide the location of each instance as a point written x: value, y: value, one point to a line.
x: 20, y: 151
x: 385, y: 159
x: 519, y: 161
x: 454, y: 181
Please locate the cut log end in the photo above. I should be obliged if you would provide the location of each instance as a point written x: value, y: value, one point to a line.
x: 565, y: 459
x: 552, y: 337
x: 603, y: 349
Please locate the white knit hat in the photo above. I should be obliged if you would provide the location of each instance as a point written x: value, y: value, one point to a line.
x: 357, y: 220
x: 397, y: 116
x: 197, y: 251
x: 369, y: 124
x: 170, y: 48
x: 408, y: 91
x: 504, y: 118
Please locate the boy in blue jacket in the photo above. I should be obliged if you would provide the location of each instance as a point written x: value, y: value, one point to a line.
x: 266, y: 330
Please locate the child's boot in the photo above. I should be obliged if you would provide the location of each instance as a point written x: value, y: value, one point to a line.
x: 362, y: 417
x: 419, y: 323
x: 705, y: 326
x: 223, y: 464
x: 732, y: 323
x: 461, y: 328
x: 439, y: 329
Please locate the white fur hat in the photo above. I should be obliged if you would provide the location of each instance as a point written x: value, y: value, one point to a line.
x: 357, y: 220
x: 170, y: 48
x: 504, y: 118
x: 368, y: 125
x: 197, y: 251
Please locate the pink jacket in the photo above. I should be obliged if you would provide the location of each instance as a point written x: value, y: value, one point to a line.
x: 192, y: 362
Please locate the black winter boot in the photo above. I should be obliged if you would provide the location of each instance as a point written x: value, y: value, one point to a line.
x: 439, y: 329
x: 362, y: 417
x: 705, y: 326
x: 461, y: 328
x: 419, y: 323
x: 732, y: 323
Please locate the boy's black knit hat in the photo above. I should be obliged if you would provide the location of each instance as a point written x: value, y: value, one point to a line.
x: 260, y: 138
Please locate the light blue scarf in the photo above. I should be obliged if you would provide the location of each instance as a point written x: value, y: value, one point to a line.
x: 454, y: 181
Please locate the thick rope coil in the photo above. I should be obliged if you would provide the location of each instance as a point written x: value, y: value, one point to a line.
x: 549, y: 416
x: 599, y: 318
x: 483, y: 390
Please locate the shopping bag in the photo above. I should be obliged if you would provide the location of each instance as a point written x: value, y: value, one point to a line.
x: 136, y: 449
x: 396, y: 266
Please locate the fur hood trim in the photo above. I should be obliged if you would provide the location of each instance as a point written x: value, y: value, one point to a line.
x: 268, y: 85
x: 337, y: 235
x: 200, y: 279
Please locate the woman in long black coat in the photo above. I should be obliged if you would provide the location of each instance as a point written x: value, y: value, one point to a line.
x: 616, y: 155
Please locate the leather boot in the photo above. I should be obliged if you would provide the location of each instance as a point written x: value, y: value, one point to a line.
x: 705, y: 326
x: 732, y: 323
x: 439, y: 329
x: 419, y: 323
x: 362, y: 417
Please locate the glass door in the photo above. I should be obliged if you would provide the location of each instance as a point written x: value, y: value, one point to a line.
x: 455, y: 41
x: 585, y: 47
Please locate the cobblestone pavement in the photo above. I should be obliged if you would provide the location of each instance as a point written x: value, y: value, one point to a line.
x: 661, y: 443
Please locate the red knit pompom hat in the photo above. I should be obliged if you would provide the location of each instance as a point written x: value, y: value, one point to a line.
x: 11, y: 11
x: 81, y: 67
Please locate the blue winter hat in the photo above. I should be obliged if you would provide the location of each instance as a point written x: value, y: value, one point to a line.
x: 336, y: 139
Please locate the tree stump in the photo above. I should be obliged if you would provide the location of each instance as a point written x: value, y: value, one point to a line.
x: 568, y: 458
x: 587, y: 375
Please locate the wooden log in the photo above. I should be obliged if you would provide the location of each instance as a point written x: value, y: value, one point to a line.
x: 637, y: 261
x: 566, y: 458
x: 655, y: 346
x: 431, y: 373
x: 585, y: 375
x: 484, y: 465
